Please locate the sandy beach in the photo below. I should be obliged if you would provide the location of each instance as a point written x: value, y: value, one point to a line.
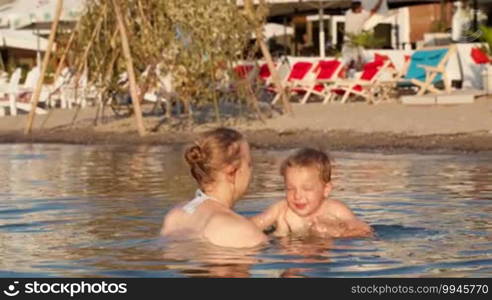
x: 352, y: 126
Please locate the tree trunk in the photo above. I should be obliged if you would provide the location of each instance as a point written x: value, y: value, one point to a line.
x: 46, y: 60
x: 130, y: 70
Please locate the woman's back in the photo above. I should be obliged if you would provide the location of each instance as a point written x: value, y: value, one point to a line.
x: 213, y: 223
x: 189, y: 219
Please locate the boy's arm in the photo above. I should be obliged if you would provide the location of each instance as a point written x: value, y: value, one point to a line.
x: 268, y: 217
x: 345, y: 222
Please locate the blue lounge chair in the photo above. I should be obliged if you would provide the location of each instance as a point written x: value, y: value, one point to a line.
x: 427, y: 67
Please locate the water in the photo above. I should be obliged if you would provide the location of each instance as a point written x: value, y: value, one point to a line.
x: 70, y: 210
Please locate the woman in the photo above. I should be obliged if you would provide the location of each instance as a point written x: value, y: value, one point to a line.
x: 220, y: 162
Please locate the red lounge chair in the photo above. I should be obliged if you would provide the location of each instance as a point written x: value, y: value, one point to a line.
x: 363, y: 85
x: 297, y: 74
x: 325, y: 71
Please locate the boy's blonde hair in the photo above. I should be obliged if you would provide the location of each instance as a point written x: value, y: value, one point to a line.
x: 308, y: 157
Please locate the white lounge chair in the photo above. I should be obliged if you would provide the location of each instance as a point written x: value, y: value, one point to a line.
x: 78, y: 93
x: 11, y: 95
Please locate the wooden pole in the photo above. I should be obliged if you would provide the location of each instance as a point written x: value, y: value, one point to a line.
x: 82, y: 63
x: 129, y: 69
x: 248, y: 5
x: 46, y: 60
x: 67, y: 48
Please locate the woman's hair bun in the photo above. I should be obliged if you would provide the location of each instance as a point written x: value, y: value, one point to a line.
x: 194, y: 155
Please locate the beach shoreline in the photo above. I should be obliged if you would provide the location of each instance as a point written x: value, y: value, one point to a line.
x: 271, y: 139
x: 352, y: 127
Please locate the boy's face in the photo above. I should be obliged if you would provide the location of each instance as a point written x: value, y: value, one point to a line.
x: 305, y: 190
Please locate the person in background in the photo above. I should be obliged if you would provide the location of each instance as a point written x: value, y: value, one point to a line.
x: 355, y: 18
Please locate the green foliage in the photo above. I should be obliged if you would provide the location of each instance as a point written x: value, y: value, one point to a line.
x: 196, y: 41
x: 365, y: 39
x: 486, y: 37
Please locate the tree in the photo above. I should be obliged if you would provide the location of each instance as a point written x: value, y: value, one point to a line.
x: 196, y: 42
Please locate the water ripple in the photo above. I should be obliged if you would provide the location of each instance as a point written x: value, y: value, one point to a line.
x: 85, y: 211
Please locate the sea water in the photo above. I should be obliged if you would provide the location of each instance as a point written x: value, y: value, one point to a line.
x: 85, y: 211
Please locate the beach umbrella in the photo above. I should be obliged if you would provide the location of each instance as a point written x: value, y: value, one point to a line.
x: 279, y: 8
x: 21, y: 40
x: 289, y: 7
x: 37, y: 13
x: 274, y: 29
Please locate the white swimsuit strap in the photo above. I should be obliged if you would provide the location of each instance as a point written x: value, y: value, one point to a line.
x: 200, y: 197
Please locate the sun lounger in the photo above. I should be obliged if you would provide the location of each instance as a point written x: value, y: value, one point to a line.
x: 57, y: 94
x: 243, y: 71
x: 324, y: 72
x: 296, y: 75
x: 31, y: 80
x: 426, y: 68
x: 265, y: 75
x: 11, y: 95
x: 164, y: 92
x: 79, y: 93
x: 364, y: 86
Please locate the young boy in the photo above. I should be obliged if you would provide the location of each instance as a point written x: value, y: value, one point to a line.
x: 307, y: 177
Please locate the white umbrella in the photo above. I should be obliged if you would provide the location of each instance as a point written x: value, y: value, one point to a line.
x: 273, y: 29
x: 285, y: 7
x: 21, y: 40
x: 23, y: 13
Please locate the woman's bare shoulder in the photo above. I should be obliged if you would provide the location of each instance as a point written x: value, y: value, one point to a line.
x: 229, y: 229
x: 172, y: 219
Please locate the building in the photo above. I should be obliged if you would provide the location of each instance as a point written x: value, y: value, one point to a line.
x: 407, y: 24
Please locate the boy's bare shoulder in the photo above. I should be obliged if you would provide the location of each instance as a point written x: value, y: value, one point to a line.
x: 338, y: 209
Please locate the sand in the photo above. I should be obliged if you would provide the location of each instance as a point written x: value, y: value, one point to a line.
x: 352, y: 126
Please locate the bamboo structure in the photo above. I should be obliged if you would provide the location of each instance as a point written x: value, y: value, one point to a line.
x: 255, y: 19
x: 162, y: 37
x: 39, y: 85
x: 83, y: 61
x: 130, y: 70
x: 65, y: 52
